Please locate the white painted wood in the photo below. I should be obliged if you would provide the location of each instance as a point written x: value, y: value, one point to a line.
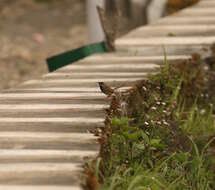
x: 159, y: 41
x: 77, y: 81
x: 72, y: 120
x: 186, y: 20
x: 47, y: 137
x: 38, y: 187
x: 110, y: 65
x: 61, y: 89
x: 14, y: 154
x: 39, y: 107
x: 198, y: 11
x: 132, y: 58
x: 20, y: 168
x: 206, y: 3
x: 66, y: 89
x: 100, y: 74
x: 49, y: 95
x: 185, y: 28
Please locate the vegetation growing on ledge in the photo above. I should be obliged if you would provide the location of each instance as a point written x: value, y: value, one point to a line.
x: 161, y: 133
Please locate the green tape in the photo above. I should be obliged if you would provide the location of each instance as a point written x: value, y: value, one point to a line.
x: 66, y: 58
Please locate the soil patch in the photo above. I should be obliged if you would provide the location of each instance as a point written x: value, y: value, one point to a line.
x: 32, y: 30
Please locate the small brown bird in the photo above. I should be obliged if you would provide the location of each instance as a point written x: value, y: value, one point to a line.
x: 106, y: 89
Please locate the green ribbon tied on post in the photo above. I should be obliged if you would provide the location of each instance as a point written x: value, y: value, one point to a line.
x: 66, y: 58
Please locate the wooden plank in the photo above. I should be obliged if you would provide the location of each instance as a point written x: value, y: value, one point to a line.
x: 86, y: 75
x: 40, y: 173
x: 39, y: 156
x: 49, y: 110
x: 132, y: 68
x: 169, y: 49
x: 48, y: 140
x: 32, y: 124
x: 176, y: 30
x: 126, y: 57
x: 47, y: 137
x: 198, y: 11
x: 38, y: 167
x: 40, y: 107
x: 206, y: 4
x: 158, y: 41
x: 113, y: 58
x: 54, y: 89
x: 177, y: 21
x: 60, y: 89
x: 54, y: 101
x: 47, y: 95
x: 79, y: 82
x: 59, y: 120
x: 38, y: 187
x: 51, y: 84
x: 107, y: 67
x: 53, y: 113
x: 77, y: 127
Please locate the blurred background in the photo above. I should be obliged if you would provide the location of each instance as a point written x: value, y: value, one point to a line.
x: 32, y: 30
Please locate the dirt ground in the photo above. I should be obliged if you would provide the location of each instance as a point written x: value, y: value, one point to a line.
x: 32, y: 30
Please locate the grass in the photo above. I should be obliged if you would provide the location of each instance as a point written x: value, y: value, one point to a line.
x: 161, y: 133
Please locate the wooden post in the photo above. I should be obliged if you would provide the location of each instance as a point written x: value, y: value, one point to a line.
x: 95, y: 31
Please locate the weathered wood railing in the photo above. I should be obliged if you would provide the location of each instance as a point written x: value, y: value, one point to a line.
x: 45, y: 123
